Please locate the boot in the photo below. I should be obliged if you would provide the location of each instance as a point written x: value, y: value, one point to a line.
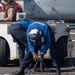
x: 28, y: 71
x: 58, y: 72
x: 42, y: 66
x: 20, y: 72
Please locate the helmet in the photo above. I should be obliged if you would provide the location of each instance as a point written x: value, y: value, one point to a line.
x: 34, y: 35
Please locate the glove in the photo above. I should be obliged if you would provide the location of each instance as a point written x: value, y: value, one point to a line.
x: 35, y: 57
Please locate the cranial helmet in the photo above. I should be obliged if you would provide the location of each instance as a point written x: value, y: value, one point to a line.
x: 34, y: 35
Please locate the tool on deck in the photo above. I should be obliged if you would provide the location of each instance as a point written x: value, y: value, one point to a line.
x: 42, y: 65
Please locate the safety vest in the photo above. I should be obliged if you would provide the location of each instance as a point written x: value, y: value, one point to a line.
x: 6, y: 13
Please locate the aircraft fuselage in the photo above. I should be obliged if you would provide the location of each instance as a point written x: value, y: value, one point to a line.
x: 50, y: 9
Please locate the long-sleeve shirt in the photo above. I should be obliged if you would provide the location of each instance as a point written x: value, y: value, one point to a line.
x: 24, y: 23
x: 44, y: 28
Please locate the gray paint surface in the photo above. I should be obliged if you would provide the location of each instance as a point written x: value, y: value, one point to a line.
x: 50, y: 9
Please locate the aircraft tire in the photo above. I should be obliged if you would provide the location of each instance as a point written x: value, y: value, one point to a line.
x: 3, y: 52
x: 62, y: 48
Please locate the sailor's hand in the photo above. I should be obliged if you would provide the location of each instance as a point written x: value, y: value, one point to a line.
x: 35, y: 57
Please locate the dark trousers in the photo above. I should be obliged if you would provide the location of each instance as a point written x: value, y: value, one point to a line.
x: 19, y: 35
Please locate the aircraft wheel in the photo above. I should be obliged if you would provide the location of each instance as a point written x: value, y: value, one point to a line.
x: 62, y: 48
x: 3, y: 52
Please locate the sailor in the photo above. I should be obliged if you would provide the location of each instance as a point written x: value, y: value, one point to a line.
x: 10, y: 11
x: 40, y: 36
x: 18, y: 32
